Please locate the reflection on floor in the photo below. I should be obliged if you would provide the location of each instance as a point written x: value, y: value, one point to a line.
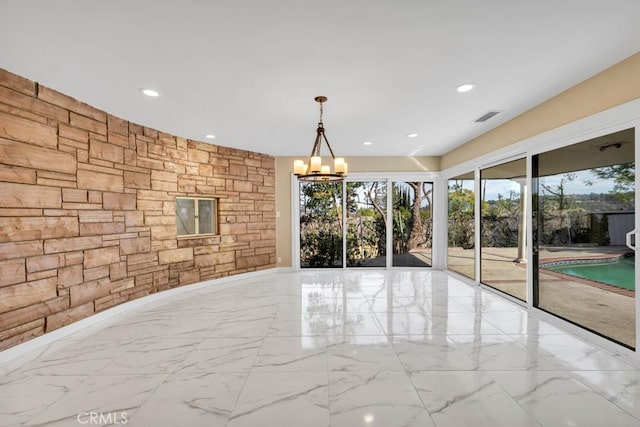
x: 413, y: 258
x: 324, y: 348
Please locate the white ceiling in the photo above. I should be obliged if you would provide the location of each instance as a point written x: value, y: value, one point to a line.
x: 248, y: 70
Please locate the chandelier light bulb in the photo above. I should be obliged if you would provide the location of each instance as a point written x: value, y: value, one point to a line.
x: 299, y: 168
x: 316, y: 164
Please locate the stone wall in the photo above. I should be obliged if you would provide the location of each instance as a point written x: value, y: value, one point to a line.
x: 87, y: 210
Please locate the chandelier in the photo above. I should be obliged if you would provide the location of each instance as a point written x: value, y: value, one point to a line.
x: 314, y: 170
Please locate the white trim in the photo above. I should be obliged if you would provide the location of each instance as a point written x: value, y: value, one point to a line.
x: 295, y: 223
x: 529, y: 227
x: 389, y: 259
x: 440, y: 221
x: 344, y: 226
x: 50, y: 337
x: 637, y: 228
x: 503, y: 160
x: 477, y: 224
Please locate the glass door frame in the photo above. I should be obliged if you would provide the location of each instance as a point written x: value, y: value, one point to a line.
x: 389, y: 178
x: 618, y: 118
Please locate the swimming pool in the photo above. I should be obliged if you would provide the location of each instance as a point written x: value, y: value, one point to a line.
x: 620, y: 273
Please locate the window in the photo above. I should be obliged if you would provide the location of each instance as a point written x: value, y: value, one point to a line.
x: 196, y: 216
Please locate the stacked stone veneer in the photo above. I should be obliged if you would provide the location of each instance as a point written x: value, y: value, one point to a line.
x: 87, y: 210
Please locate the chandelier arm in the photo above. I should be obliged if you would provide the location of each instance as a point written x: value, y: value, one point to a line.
x: 328, y: 145
x: 315, y: 151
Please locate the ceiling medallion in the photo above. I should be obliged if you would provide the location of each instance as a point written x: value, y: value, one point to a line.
x: 314, y: 170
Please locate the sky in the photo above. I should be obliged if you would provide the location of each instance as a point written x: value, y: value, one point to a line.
x: 576, y: 186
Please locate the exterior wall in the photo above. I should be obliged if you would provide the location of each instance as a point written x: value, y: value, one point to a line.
x: 612, y: 87
x: 284, y: 168
x: 87, y: 210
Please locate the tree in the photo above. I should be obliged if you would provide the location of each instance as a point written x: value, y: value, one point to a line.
x: 366, y: 221
x: 461, y: 216
x: 321, y: 224
x: 559, y: 191
x: 624, y: 179
x: 421, y: 192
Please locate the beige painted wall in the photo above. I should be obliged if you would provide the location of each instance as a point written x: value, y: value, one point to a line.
x: 614, y: 86
x: 284, y: 166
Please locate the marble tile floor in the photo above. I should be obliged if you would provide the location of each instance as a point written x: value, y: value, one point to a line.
x: 323, y: 348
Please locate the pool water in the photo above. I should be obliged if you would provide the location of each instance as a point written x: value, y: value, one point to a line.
x: 619, y: 273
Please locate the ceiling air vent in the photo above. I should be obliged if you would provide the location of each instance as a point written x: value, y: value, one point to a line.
x: 486, y: 116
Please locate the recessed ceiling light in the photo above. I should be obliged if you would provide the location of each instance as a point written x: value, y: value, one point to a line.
x: 150, y: 92
x: 466, y: 87
x: 367, y: 143
x: 412, y: 135
x: 210, y: 136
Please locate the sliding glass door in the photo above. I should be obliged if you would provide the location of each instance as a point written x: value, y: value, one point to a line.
x: 320, y: 225
x: 584, y: 206
x: 461, y: 225
x: 502, y: 228
x: 366, y: 224
x: 412, y: 223
x: 354, y: 224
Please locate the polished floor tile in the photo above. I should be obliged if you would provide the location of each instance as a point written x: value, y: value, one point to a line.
x: 502, y: 352
x: 401, y: 347
x: 472, y: 398
x: 555, y: 398
x: 222, y: 355
x: 292, y: 354
x: 369, y: 354
x: 23, y: 397
x: 114, y: 396
x: 370, y: 398
x: 280, y: 399
x: 195, y: 399
x: 619, y: 387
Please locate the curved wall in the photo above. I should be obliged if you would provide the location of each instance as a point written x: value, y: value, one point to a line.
x: 87, y: 210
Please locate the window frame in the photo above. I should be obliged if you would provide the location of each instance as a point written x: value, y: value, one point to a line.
x: 196, y: 217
